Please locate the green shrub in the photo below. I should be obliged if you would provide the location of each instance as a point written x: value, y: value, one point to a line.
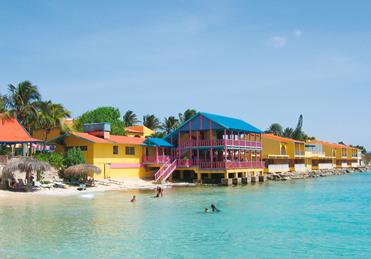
x: 54, y: 159
x: 5, y: 150
x: 73, y: 156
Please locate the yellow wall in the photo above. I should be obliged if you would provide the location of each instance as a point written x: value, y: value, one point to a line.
x: 40, y: 134
x: 272, y: 147
x: 103, y: 155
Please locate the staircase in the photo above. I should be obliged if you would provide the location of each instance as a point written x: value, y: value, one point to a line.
x: 165, y: 171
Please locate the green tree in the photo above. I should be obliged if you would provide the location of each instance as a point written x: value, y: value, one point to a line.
x: 72, y: 157
x: 22, y: 100
x: 288, y: 132
x: 102, y: 114
x: 276, y: 129
x: 49, y: 116
x: 186, y: 115
x: 2, y: 103
x: 130, y: 118
x: 170, y: 123
x: 151, y: 122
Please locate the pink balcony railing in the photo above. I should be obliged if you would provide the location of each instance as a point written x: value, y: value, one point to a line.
x: 155, y: 160
x: 245, y: 164
x: 231, y: 164
x: 221, y: 142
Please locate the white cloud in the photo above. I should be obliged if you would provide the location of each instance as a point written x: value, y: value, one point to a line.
x: 279, y: 41
x: 298, y: 33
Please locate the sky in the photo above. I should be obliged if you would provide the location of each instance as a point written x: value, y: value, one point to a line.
x: 261, y: 61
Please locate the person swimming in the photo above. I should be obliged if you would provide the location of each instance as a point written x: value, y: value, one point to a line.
x: 133, y: 199
x: 214, y: 208
x: 206, y: 210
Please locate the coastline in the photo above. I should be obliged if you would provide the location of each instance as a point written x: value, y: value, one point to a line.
x: 101, y: 186
x: 139, y: 184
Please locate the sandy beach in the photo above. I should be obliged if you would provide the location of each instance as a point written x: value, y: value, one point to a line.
x: 101, y: 186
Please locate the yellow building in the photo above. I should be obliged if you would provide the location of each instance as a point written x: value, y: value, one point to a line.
x: 283, y: 154
x: 55, y: 132
x: 321, y: 154
x: 117, y: 156
x: 138, y: 131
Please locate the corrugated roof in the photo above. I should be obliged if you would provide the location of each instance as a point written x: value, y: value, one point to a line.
x: 11, y: 131
x: 231, y: 123
x: 157, y: 142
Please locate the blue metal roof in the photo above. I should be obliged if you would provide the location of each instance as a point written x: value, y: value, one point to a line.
x: 157, y: 142
x: 231, y: 123
x: 223, y: 121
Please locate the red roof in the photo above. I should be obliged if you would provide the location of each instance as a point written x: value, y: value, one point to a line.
x: 111, y: 140
x: 11, y: 131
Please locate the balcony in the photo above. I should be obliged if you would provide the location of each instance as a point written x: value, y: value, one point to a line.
x: 222, y: 143
x: 156, y: 160
x: 220, y: 164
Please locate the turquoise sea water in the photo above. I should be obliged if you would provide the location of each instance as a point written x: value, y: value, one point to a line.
x: 318, y: 218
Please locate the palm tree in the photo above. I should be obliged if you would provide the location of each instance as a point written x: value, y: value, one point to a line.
x: 2, y: 103
x: 275, y: 129
x: 130, y: 118
x: 288, y: 132
x: 151, y: 121
x: 49, y: 116
x: 170, y: 123
x: 22, y: 101
x: 186, y: 115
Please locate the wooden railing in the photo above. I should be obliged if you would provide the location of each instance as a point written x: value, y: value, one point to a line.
x: 221, y: 142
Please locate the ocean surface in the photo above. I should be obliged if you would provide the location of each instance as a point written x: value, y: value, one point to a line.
x: 317, y: 218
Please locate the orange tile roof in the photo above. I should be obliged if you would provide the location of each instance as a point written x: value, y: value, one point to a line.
x: 126, y: 140
x: 137, y: 129
x: 111, y: 140
x: 89, y: 137
x: 282, y: 139
x: 11, y: 131
x: 334, y: 145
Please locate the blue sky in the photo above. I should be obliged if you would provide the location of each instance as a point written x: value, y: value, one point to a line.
x: 262, y: 61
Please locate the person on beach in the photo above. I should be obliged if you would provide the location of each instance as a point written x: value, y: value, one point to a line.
x: 214, y: 208
x: 13, y: 183
x: 32, y: 180
x: 159, y: 192
x: 133, y: 199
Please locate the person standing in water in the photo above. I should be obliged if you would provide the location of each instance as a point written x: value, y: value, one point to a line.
x: 214, y: 208
x: 133, y: 199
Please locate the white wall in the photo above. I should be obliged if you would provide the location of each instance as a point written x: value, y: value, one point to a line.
x: 300, y: 167
x: 355, y: 164
x: 344, y: 165
x: 325, y: 166
x: 278, y: 168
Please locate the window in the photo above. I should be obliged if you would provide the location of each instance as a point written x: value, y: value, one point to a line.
x: 83, y: 148
x: 130, y: 150
x: 115, y: 150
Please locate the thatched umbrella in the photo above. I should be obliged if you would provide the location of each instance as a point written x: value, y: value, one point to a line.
x: 81, y: 171
x: 24, y: 165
